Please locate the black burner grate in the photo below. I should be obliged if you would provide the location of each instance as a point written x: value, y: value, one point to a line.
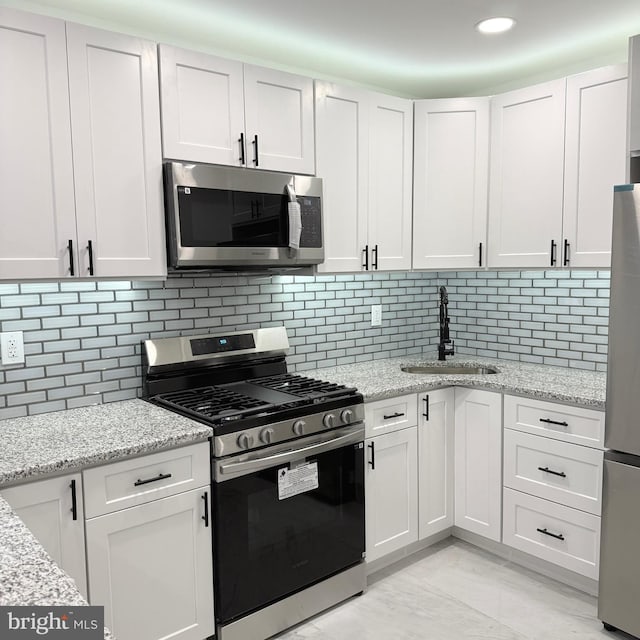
x: 214, y: 402
x: 303, y: 387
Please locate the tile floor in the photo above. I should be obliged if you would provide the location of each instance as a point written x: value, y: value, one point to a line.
x: 455, y: 591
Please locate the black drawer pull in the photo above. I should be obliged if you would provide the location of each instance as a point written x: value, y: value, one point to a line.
x: 426, y: 407
x: 557, y: 536
x: 205, y: 517
x: 74, y: 500
x: 562, y: 474
x: 372, y: 462
x: 560, y: 424
x: 160, y: 476
x: 393, y: 415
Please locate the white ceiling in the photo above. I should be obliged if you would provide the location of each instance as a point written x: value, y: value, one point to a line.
x: 416, y: 48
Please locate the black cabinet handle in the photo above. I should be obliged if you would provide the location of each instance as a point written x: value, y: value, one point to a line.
x: 74, y: 500
x: 560, y: 424
x: 255, y: 149
x: 480, y: 255
x: 557, y: 536
x: 205, y: 517
x: 426, y: 407
x: 553, y: 253
x: 374, y: 258
x: 90, y: 249
x: 243, y: 159
x: 565, y: 260
x: 562, y: 474
x: 160, y: 476
x: 372, y: 462
x: 393, y: 415
x: 366, y: 257
x: 71, y: 263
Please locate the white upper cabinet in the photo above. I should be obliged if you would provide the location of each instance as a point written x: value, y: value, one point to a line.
x: 451, y: 177
x: 279, y: 120
x: 526, y: 176
x: 115, y: 117
x: 80, y: 168
x: 221, y: 111
x: 36, y: 173
x: 202, y: 107
x: 364, y: 156
x: 595, y: 161
x: 390, y: 172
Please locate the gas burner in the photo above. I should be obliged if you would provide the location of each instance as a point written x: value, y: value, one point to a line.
x: 302, y: 386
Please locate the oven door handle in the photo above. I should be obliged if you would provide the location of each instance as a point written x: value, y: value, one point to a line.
x: 250, y: 466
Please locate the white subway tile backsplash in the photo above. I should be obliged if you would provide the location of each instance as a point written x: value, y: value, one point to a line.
x: 83, y: 338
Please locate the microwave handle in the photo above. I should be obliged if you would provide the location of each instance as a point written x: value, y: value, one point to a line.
x: 295, y: 219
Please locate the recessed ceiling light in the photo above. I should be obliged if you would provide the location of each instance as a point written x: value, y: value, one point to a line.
x: 495, y: 25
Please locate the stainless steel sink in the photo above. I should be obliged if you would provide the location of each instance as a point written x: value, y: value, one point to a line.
x: 453, y: 369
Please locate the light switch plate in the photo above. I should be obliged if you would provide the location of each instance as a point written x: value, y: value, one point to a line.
x: 376, y: 315
x: 12, y: 347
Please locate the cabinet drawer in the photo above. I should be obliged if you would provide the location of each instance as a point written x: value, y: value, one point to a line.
x: 558, y: 471
x: 384, y: 416
x: 131, y: 482
x: 558, y: 534
x: 571, y: 424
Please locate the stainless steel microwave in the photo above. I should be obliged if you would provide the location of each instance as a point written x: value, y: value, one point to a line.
x: 232, y: 217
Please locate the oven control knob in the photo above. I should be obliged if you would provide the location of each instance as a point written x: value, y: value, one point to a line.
x: 245, y: 441
x: 298, y: 427
x: 346, y: 416
x: 266, y: 435
x: 329, y: 420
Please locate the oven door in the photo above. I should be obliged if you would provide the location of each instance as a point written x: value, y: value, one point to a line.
x: 286, y: 517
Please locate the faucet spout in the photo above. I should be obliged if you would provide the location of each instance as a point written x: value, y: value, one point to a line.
x: 443, y: 349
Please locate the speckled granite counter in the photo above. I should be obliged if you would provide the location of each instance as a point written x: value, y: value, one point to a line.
x: 381, y: 379
x: 60, y: 442
x: 66, y: 440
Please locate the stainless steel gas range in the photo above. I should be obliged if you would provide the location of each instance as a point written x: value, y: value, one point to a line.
x: 287, y: 476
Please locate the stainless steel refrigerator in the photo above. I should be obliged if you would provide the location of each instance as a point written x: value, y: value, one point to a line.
x: 619, y: 597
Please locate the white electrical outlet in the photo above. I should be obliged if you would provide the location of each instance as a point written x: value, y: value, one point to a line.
x: 376, y: 315
x: 12, y: 347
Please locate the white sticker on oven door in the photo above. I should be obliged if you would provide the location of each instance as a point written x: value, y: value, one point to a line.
x: 300, y: 479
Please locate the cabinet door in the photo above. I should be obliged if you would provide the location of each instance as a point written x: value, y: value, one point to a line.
x: 391, y: 484
x: 36, y: 172
x: 435, y: 461
x: 526, y: 176
x: 595, y: 161
x: 115, y: 115
x: 148, y: 593
x: 279, y: 120
x: 390, y: 180
x: 202, y: 99
x: 46, y: 507
x: 478, y: 462
x: 451, y: 183
x: 342, y: 124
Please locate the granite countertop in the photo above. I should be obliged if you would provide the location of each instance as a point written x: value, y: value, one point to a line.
x: 61, y: 442
x: 380, y: 379
x: 70, y: 440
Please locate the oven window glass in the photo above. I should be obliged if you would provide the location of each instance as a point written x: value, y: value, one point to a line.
x: 226, y: 218
x: 266, y: 548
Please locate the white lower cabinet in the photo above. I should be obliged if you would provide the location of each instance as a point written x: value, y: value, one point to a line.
x: 478, y: 462
x: 52, y: 510
x: 391, y: 486
x: 566, y: 537
x: 553, y: 460
x: 435, y: 461
x: 150, y: 564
